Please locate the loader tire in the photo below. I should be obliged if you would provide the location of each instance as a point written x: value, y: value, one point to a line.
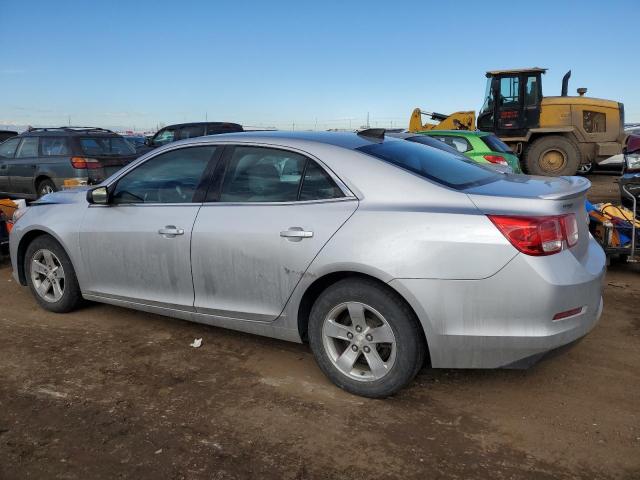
x: 552, y: 156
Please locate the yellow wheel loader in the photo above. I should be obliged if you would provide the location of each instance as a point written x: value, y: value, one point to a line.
x: 552, y: 135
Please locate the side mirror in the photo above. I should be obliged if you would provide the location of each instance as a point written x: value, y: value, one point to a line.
x: 98, y: 196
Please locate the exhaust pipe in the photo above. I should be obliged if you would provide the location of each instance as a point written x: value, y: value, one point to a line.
x: 565, y: 84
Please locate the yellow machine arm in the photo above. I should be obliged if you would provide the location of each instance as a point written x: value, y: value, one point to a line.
x: 455, y: 121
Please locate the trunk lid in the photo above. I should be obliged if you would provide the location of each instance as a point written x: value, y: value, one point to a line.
x: 523, y: 195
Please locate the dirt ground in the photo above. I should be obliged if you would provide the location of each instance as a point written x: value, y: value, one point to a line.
x: 112, y: 393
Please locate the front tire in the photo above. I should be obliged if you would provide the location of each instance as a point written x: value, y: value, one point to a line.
x: 365, y: 338
x: 51, y: 276
x: 552, y: 156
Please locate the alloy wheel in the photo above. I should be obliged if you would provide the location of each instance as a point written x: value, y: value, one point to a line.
x: 47, y: 275
x: 359, y: 341
x: 45, y: 189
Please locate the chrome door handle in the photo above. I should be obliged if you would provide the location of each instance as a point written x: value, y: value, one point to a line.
x: 171, y: 231
x: 296, y: 234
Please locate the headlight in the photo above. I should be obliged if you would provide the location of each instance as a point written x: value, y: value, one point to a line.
x: 633, y: 161
x: 18, y: 214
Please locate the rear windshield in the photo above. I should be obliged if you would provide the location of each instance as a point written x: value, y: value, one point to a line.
x: 437, y: 165
x: 495, y: 144
x: 106, y: 146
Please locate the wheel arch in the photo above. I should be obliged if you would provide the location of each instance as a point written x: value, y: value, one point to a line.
x: 320, y: 284
x: 39, y: 179
x: 26, y: 240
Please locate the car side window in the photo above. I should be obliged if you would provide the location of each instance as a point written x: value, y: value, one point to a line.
x: 318, y: 185
x: 165, y: 136
x: 459, y: 143
x: 171, y: 177
x: 28, y: 148
x: 191, y: 131
x: 8, y: 148
x: 258, y: 174
x: 52, y: 146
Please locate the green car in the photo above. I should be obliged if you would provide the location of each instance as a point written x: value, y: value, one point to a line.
x: 481, y: 147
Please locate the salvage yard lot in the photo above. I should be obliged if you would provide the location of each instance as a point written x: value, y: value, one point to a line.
x: 106, y: 392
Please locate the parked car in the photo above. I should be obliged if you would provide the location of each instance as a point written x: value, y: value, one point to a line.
x: 377, y: 251
x: 424, y: 140
x: 44, y: 160
x: 5, y: 134
x: 481, y: 147
x: 138, y: 142
x: 183, y: 131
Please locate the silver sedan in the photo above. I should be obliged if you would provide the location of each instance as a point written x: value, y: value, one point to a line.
x: 383, y: 254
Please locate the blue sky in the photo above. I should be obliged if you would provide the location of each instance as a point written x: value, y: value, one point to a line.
x: 326, y: 63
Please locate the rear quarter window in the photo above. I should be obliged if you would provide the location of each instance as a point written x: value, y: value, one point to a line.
x: 436, y: 165
x: 495, y: 144
x: 53, y: 146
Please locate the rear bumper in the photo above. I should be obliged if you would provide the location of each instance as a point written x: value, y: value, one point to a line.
x: 506, y: 320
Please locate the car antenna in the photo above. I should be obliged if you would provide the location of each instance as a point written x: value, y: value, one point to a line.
x: 372, y: 132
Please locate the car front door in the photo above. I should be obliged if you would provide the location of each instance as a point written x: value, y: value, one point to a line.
x: 262, y: 225
x: 23, y: 166
x: 137, y: 247
x: 7, y: 152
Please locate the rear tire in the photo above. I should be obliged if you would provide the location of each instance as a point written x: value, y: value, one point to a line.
x: 46, y: 186
x: 365, y: 338
x: 553, y: 156
x: 51, y: 276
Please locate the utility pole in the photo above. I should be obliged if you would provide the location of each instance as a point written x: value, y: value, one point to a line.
x: 368, y: 125
x: 206, y: 116
x: 69, y: 119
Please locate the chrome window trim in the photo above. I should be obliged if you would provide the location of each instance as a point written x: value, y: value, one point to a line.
x: 348, y: 194
x: 293, y: 202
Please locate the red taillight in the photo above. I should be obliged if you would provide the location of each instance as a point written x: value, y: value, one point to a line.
x: 82, y: 162
x: 570, y: 226
x: 538, y: 235
x: 495, y: 159
x: 567, y: 313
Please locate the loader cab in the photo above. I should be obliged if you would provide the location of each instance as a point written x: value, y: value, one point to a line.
x: 512, y: 102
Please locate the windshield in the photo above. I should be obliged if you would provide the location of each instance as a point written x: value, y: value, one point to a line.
x: 106, y: 146
x: 432, y: 142
x: 442, y: 167
x: 488, y: 98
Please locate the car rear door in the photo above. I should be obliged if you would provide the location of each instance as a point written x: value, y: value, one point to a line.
x: 7, y: 152
x: 262, y: 224
x: 137, y: 248
x: 23, y: 166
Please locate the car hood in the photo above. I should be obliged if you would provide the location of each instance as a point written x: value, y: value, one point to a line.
x: 527, y: 186
x: 77, y: 195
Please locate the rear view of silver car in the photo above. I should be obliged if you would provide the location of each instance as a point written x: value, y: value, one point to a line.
x: 383, y: 254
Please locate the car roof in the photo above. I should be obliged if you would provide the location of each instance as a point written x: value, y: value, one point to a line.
x: 194, y: 124
x: 67, y: 131
x: 346, y: 140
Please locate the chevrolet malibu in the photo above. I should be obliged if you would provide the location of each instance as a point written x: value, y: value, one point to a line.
x: 382, y: 254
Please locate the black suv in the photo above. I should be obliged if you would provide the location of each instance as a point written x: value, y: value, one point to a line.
x: 188, y: 130
x: 43, y: 160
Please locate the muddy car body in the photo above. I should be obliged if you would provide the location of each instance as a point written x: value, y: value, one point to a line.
x: 378, y: 251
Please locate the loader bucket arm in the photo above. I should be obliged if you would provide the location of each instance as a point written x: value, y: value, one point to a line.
x: 455, y: 121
